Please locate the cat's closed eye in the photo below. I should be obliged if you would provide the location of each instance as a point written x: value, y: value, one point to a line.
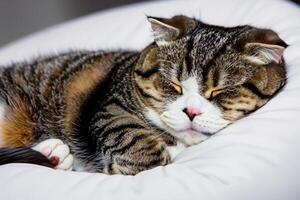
x: 210, y: 94
x: 177, y: 86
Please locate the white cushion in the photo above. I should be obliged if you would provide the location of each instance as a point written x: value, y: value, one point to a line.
x: 255, y: 158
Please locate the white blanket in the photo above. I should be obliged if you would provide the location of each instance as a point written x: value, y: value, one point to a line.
x: 255, y: 158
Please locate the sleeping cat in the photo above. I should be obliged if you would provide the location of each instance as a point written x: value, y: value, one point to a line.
x: 125, y: 112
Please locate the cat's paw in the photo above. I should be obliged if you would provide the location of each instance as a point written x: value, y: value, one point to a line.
x: 57, y: 152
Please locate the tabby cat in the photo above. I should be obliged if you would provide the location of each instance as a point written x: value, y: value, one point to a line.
x: 125, y: 112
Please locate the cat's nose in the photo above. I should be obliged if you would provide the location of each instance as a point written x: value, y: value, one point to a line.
x: 192, y: 112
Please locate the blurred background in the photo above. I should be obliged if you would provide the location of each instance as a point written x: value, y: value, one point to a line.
x: 22, y: 17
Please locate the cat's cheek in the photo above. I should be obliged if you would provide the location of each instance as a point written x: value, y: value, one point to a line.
x: 176, y: 120
x: 209, y: 124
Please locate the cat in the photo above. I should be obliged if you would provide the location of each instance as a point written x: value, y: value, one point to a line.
x: 126, y: 112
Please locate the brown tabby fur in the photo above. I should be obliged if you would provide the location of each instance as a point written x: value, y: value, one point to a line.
x: 95, y: 101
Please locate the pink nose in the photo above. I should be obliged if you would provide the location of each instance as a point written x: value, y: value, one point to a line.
x: 191, y: 112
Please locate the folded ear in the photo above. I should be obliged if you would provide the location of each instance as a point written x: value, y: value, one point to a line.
x: 264, y: 46
x: 166, y: 30
x: 263, y: 54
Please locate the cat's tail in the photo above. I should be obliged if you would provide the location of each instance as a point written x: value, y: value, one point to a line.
x: 23, y: 155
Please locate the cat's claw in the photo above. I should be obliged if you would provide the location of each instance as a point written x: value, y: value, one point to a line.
x: 57, y: 152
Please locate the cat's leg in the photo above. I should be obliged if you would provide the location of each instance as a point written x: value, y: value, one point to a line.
x: 57, y: 152
x: 137, y: 152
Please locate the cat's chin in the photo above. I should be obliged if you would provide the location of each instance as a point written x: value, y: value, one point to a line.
x: 190, y: 137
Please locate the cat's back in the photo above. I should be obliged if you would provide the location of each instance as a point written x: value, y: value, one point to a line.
x: 45, y: 95
x: 45, y: 78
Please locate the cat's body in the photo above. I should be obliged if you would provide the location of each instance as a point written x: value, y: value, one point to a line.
x: 75, y: 97
x: 125, y: 112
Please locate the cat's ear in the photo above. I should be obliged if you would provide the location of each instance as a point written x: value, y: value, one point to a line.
x: 166, y: 30
x: 163, y: 30
x: 264, y: 47
x: 263, y: 54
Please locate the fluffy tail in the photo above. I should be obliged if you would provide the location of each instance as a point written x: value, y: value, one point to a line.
x: 23, y: 155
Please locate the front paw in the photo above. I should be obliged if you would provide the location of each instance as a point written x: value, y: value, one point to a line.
x: 57, y: 152
x: 147, y: 152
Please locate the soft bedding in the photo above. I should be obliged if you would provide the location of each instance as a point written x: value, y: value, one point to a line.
x: 255, y: 158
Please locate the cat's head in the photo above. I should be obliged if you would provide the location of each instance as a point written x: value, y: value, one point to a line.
x: 196, y: 78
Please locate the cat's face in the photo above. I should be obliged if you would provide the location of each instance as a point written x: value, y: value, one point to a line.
x: 196, y: 79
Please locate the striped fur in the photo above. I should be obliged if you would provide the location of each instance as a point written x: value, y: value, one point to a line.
x: 119, y: 111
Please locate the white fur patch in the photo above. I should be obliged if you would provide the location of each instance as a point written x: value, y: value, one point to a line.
x: 154, y: 117
x: 190, y: 86
x: 176, y: 119
x: 209, y: 123
x: 191, y: 137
